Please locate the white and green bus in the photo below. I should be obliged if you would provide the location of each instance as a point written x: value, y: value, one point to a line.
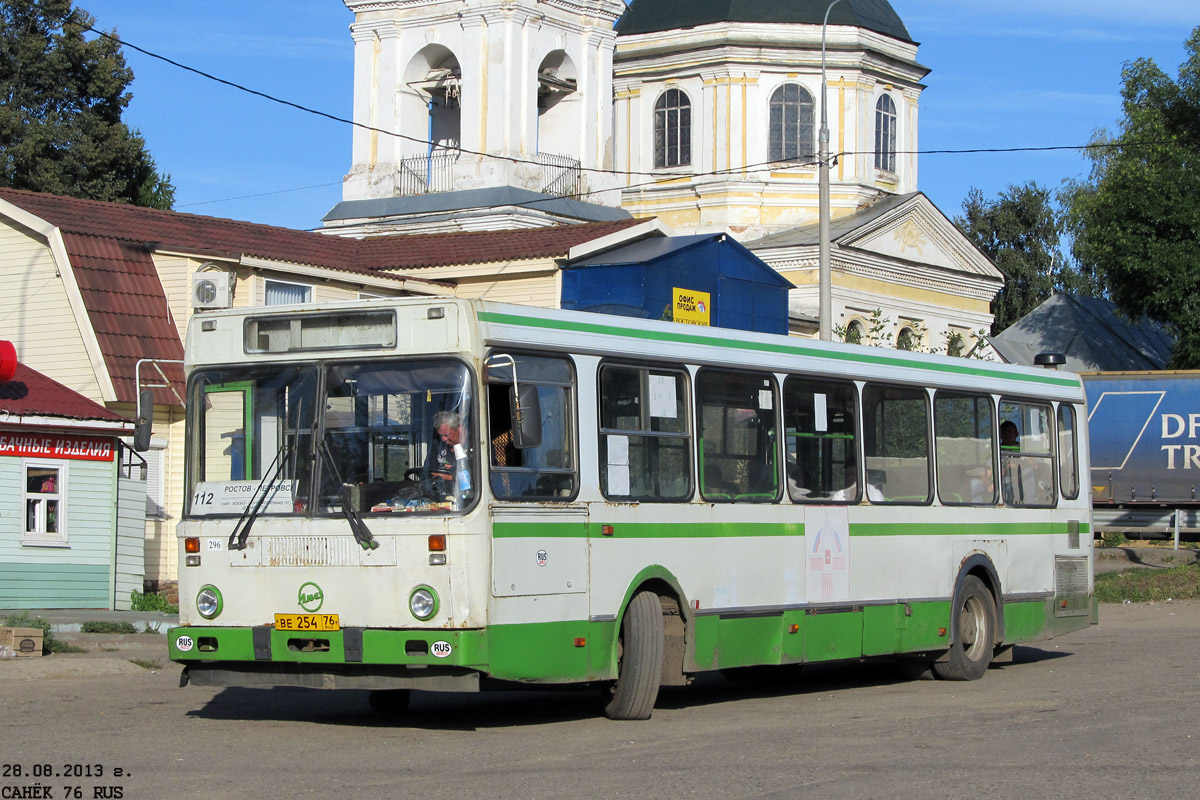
x: 419, y: 494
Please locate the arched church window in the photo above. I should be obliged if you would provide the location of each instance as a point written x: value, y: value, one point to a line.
x: 792, y: 124
x: 907, y: 339
x: 672, y: 130
x: 885, y: 134
x: 856, y: 332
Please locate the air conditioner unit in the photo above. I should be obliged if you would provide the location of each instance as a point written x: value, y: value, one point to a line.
x: 211, y: 289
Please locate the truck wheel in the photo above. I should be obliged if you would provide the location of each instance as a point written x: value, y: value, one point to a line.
x: 388, y: 701
x: 639, y: 660
x: 974, y: 636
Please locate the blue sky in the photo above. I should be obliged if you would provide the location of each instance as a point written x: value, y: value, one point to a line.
x: 1005, y: 73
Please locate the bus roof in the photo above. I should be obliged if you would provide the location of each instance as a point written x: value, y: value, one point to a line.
x: 527, y: 327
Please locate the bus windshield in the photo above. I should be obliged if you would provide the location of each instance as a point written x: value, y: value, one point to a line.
x: 382, y: 438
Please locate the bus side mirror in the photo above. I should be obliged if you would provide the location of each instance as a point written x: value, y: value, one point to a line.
x: 144, y: 424
x: 526, y: 413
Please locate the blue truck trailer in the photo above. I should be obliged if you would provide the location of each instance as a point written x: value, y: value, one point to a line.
x: 1144, y: 435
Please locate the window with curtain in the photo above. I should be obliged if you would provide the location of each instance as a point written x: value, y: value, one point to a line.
x: 45, y: 500
x: 279, y: 293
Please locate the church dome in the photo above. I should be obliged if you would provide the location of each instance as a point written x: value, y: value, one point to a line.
x: 653, y: 16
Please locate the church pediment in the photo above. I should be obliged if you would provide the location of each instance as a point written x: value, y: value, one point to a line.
x: 916, y: 231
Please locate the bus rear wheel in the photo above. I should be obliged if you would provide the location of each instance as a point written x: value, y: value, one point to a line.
x: 639, y: 660
x: 975, y: 634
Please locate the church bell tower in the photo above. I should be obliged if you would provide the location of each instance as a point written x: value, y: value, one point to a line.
x: 482, y: 94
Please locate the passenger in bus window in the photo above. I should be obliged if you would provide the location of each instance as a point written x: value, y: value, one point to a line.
x: 1010, y: 467
x: 1010, y: 438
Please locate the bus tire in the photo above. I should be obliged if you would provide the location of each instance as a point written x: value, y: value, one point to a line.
x: 975, y: 634
x: 639, y: 660
x: 389, y: 701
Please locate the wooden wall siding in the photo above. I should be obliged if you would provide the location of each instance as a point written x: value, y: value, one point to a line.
x: 334, y: 293
x: 161, y: 554
x: 37, y: 315
x: 63, y: 585
x: 131, y: 527
x: 540, y: 291
x: 174, y: 272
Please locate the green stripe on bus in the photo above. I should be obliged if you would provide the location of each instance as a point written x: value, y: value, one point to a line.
x: 645, y: 530
x: 765, y: 347
x: 952, y: 528
x: 716, y: 530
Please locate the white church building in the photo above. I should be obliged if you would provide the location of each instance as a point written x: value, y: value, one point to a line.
x: 501, y: 114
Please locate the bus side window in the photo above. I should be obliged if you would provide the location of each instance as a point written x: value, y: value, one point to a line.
x: 896, y: 443
x: 1027, y: 454
x: 820, y: 440
x: 966, y: 448
x: 548, y: 471
x: 645, y: 440
x: 738, y: 424
x: 1068, y: 453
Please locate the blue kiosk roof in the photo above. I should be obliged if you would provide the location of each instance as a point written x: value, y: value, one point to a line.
x: 639, y: 279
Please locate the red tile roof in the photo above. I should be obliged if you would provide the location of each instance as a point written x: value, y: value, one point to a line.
x: 413, y: 251
x: 128, y: 310
x: 32, y: 394
x: 170, y: 230
x: 110, y: 247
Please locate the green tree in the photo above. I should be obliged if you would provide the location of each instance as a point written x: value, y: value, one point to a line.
x: 61, y: 99
x: 1136, y: 222
x: 1020, y: 232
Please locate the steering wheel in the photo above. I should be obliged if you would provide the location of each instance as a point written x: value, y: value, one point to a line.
x: 413, y: 474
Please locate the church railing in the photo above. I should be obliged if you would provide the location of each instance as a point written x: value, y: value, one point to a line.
x: 563, y: 172
x: 427, y: 173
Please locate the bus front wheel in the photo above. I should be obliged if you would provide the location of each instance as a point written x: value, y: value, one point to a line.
x: 639, y: 660
x: 974, y: 636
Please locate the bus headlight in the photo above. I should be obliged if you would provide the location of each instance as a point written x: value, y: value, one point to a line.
x: 423, y: 602
x: 209, y: 602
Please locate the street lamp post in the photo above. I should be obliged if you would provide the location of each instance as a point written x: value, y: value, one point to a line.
x: 824, y: 270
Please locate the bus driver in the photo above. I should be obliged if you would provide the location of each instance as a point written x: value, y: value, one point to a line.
x: 438, y: 474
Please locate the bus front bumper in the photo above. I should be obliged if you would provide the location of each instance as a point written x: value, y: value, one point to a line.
x: 350, y: 658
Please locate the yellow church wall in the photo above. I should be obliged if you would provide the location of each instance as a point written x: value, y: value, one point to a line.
x: 892, y: 291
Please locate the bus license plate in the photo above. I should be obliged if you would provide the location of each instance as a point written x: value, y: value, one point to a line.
x: 307, y: 622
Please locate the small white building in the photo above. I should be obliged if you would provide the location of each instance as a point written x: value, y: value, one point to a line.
x: 72, y: 509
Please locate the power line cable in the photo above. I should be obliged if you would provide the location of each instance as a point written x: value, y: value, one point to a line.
x: 658, y: 176
x: 513, y: 159
x: 260, y: 194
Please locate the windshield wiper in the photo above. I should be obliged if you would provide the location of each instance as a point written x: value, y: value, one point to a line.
x: 362, y: 534
x: 237, y: 539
